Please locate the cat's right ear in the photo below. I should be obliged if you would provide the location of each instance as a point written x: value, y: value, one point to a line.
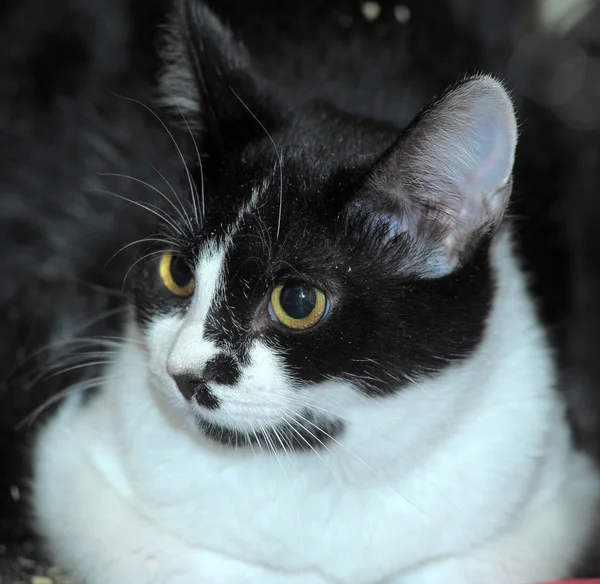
x: 445, y: 184
x: 208, y: 81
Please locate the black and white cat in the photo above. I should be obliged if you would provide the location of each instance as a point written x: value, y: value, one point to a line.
x: 333, y: 370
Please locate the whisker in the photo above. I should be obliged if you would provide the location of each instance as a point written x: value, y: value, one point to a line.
x: 298, y: 517
x: 257, y: 439
x: 170, y: 134
x: 152, y: 253
x: 290, y: 424
x: 188, y: 221
x: 78, y: 387
x: 305, y: 403
x: 146, y: 206
x: 286, y: 263
x: 287, y: 478
x: 172, y: 242
x: 251, y: 444
x: 313, y: 406
x: 150, y: 186
x: 279, y: 160
x: 202, y: 212
x: 369, y: 467
x: 77, y: 367
x: 265, y: 235
x: 58, y: 344
x: 76, y: 356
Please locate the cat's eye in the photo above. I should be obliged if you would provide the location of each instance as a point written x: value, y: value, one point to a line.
x: 176, y: 275
x: 298, y: 305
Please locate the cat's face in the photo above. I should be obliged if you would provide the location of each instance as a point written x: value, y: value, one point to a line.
x: 320, y: 262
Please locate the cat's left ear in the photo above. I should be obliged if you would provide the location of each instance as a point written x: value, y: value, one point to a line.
x: 209, y: 79
x: 446, y: 183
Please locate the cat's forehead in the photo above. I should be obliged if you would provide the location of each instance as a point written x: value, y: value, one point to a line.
x: 282, y: 197
x: 274, y: 222
x: 305, y: 169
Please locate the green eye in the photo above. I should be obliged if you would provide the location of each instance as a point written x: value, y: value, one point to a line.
x: 176, y: 275
x: 297, y: 305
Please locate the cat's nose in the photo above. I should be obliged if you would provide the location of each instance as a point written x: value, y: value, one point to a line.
x: 193, y: 388
x: 187, y: 385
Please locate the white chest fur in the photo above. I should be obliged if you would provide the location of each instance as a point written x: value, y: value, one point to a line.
x: 467, y: 475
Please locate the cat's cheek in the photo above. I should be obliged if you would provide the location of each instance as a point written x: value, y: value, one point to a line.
x: 263, y: 396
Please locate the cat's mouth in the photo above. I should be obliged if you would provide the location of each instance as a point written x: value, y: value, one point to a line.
x: 304, y: 432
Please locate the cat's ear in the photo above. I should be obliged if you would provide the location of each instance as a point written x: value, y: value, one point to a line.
x: 447, y: 181
x: 209, y: 80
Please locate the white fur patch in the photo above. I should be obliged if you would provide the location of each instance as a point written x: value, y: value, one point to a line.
x: 183, y: 337
x: 177, y: 345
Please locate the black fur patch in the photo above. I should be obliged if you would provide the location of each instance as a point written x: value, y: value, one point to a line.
x: 196, y: 389
x: 306, y: 433
x: 222, y: 369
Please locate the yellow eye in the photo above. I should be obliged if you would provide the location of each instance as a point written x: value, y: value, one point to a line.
x: 176, y: 275
x: 298, y: 305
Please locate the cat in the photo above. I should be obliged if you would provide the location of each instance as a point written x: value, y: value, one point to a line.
x: 333, y: 368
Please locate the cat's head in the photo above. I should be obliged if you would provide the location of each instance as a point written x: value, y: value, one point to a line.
x: 315, y: 260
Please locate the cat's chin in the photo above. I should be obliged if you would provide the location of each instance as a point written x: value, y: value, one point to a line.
x: 307, y: 432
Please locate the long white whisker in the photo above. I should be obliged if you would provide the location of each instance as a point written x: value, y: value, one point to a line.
x: 287, y: 478
x: 77, y: 367
x: 54, y: 345
x: 251, y: 446
x: 279, y: 160
x: 258, y: 441
x: 183, y: 209
x: 305, y: 403
x: 290, y: 424
x: 146, y: 206
x: 161, y: 251
x: 42, y: 372
x: 150, y: 186
x: 78, y: 387
x: 271, y: 448
x: 77, y: 356
x: 170, y: 134
x: 369, y: 467
x: 302, y: 552
x: 202, y: 212
x: 169, y: 241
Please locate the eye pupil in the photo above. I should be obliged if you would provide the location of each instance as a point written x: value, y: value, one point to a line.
x: 297, y: 299
x: 180, y: 272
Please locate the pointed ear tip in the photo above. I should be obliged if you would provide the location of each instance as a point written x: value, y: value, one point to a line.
x: 493, y: 93
x: 488, y: 88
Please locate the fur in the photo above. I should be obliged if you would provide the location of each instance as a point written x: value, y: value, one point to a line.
x: 336, y: 97
x: 231, y: 448
x: 427, y: 503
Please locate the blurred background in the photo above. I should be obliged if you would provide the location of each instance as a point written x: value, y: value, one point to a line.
x: 62, y: 126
